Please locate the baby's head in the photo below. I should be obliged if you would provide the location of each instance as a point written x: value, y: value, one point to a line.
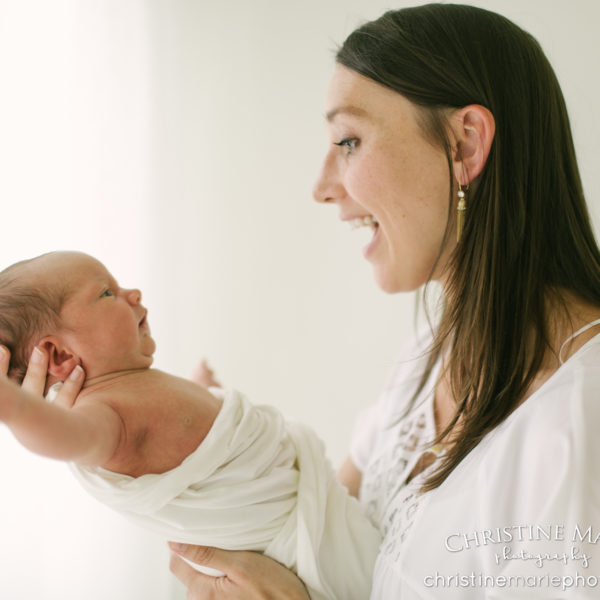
x: 29, y: 307
x: 71, y: 305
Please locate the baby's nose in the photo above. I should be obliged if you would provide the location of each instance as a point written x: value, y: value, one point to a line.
x: 134, y: 296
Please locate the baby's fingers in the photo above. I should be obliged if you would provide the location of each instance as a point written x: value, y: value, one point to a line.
x: 205, y: 376
x: 4, y: 361
x: 37, y: 370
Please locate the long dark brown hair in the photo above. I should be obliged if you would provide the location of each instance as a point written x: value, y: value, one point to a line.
x: 527, y: 236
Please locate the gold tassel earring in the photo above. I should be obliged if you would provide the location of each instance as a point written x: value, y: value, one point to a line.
x: 460, y: 215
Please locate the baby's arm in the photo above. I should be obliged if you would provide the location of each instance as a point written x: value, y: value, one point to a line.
x: 88, y: 434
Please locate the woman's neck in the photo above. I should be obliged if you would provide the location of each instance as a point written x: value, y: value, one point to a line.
x: 566, y: 314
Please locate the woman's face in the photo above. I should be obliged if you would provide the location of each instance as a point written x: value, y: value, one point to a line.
x: 381, y: 168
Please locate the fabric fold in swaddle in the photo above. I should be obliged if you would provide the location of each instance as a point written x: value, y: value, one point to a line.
x: 254, y: 483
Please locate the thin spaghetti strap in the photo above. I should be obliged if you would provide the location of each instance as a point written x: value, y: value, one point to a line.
x: 584, y: 328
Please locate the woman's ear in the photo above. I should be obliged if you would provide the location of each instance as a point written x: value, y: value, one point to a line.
x: 61, y: 361
x: 474, y: 128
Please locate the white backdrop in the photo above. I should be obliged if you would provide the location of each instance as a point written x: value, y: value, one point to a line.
x: 178, y: 140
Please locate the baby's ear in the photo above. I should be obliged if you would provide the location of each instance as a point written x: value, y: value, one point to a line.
x: 60, y: 360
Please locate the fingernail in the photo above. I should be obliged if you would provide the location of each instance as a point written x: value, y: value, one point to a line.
x: 37, y: 356
x: 76, y: 373
x: 178, y: 547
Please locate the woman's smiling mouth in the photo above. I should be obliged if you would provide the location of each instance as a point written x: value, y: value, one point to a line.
x: 367, y: 221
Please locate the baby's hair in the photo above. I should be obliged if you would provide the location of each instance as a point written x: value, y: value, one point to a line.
x: 29, y: 310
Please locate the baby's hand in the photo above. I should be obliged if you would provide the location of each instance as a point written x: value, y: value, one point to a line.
x: 203, y: 375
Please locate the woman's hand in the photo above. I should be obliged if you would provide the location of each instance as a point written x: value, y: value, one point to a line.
x: 34, y: 381
x: 4, y: 361
x: 248, y: 575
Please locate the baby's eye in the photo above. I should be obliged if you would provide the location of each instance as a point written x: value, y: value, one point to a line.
x: 106, y: 293
x: 349, y: 143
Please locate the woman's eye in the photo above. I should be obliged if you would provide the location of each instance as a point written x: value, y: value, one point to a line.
x: 349, y: 143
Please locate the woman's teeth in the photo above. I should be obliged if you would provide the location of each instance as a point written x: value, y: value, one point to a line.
x: 363, y: 222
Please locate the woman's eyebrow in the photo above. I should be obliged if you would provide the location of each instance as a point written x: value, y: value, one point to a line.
x: 349, y: 110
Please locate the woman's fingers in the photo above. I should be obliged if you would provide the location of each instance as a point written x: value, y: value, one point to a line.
x: 182, y: 570
x: 206, y: 556
x: 37, y: 373
x: 232, y: 586
x: 4, y: 361
x: 71, y: 387
x: 37, y: 370
x: 248, y: 575
x: 198, y: 585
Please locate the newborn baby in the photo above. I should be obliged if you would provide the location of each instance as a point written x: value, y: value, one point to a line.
x: 197, y: 466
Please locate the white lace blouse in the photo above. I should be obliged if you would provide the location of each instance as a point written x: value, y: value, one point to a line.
x: 519, y: 518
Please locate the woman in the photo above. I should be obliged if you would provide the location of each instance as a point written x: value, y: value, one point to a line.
x: 450, y: 139
x: 431, y: 109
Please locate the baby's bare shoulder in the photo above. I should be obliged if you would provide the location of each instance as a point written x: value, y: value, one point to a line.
x: 164, y: 417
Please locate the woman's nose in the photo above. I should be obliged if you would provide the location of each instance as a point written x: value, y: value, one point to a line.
x: 328, y: 188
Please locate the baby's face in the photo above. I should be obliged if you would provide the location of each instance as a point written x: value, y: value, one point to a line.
x: 103, y: 324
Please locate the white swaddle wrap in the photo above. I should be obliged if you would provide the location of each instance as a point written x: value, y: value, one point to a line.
x: 256, y: 482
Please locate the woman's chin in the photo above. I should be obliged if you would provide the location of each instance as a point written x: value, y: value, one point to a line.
x: 395, y: 283
x: 388, y: 285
